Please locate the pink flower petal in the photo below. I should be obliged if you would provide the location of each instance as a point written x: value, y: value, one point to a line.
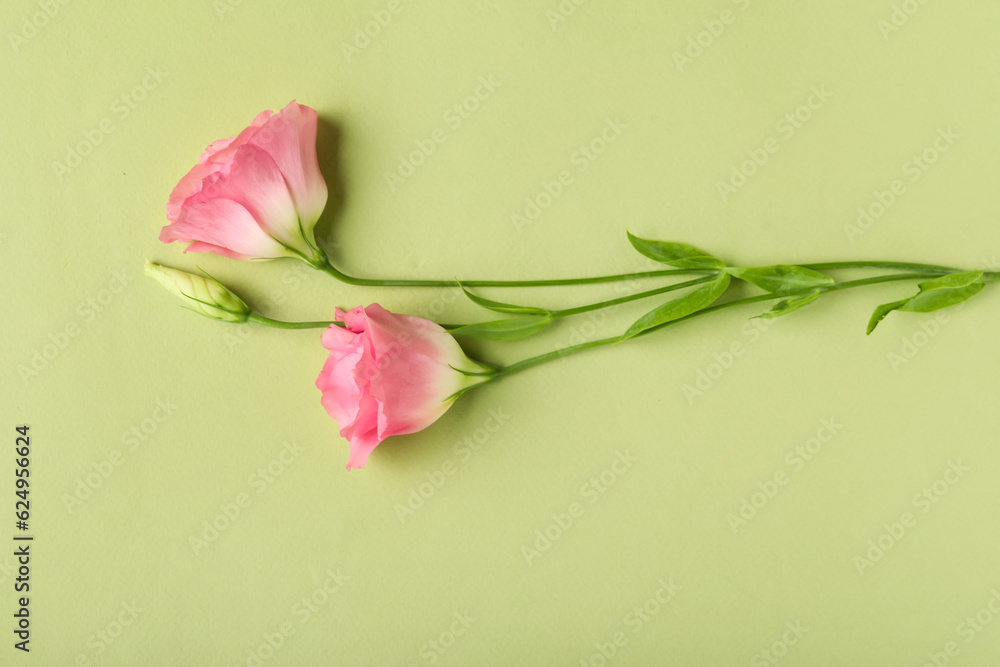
x: 216, y: 157
x: 421, y: 337
x: 354, y: 320
x: 335, y: 338
x: 224, y: 223
x: 289, y: 137
x: 362, y: 435
x: 341, y: 395
x: 253, y: 181
x: 200, y: 246
x: 215, y: 147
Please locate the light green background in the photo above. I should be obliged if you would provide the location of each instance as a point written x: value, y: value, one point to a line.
x: 234, y: 395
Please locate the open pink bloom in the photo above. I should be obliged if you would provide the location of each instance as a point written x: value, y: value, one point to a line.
x: 389, y: 374
x: 255, y: 196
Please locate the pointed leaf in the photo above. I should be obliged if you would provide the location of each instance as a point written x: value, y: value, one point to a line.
x: 691, y: 302
x: 501, y: 307
x: 512, y: 329
x: 791, y: 304
x: 489, y: 370
x: 675, y: 254
x: 782, y: 278
x: 882, y: 311
x: 941, y: 292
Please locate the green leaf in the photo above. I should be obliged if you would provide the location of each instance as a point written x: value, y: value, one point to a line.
x: 942, y: 292
x: 882, y: 311
x: 791, y: 304
x: 512, y: 329
x: 782, y: 278
x: 927, y: 301
x: 675, y: 254
x: 501, y: 307
x: 691, y: 302
x: 489, y: 370
x: 952, y: 280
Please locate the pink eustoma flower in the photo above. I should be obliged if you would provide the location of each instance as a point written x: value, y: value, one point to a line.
x: 255, y: 196
x: 389, y: 374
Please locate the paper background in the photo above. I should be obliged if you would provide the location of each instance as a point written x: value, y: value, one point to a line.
x: 227, y: 398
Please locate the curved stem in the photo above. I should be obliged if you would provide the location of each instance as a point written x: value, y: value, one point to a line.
x: 525, y: 364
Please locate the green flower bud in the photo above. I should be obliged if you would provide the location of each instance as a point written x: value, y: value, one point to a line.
x: 203, y: 295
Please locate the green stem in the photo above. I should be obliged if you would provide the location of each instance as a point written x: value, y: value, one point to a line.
x: 375, y: 282
x: 525, y: 364
x: 322, y: 263
x: 278, y: 324
x: 900, y: 266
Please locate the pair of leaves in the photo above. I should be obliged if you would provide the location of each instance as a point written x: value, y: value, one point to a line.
x: 781, y: 279
x: 785, y: 279
x: 535, y: 320
x: 948, y: 290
